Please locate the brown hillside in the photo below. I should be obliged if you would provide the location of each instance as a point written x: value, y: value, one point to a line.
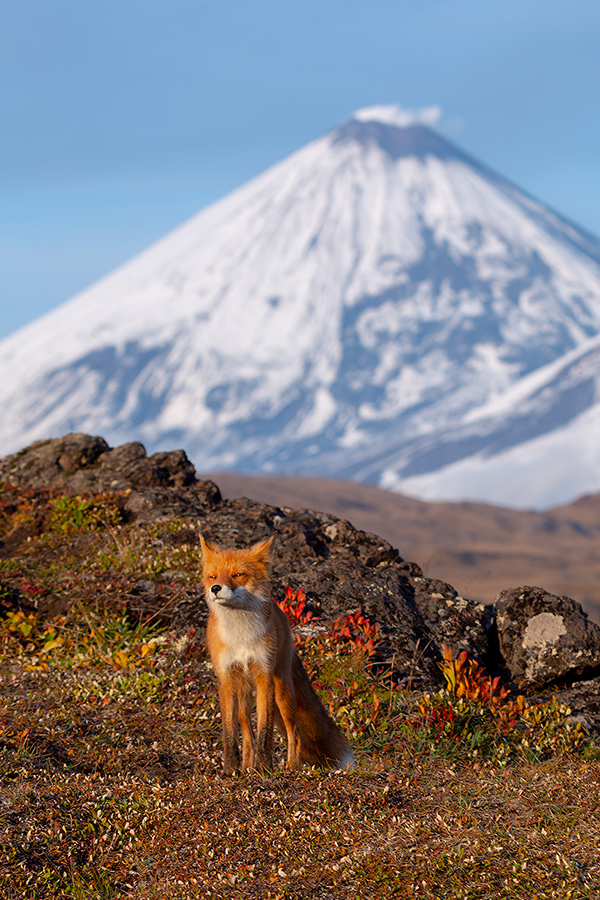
x: 475, y: 547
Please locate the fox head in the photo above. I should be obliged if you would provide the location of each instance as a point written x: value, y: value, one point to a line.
x: 230, y: 576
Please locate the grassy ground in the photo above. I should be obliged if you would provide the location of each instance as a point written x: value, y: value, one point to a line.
x: 110, y: 758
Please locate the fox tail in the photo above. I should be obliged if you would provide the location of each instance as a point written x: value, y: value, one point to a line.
x: 323, y: 742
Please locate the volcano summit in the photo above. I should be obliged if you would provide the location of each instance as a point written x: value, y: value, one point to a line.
x: 351, y: 312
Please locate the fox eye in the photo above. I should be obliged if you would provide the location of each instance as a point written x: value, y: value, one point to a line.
x: 212, y: 577
x: 239, y: 575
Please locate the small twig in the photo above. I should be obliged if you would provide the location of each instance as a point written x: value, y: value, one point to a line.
x: 162, y: 609
x: 416, y: 659
x: 91, y: 627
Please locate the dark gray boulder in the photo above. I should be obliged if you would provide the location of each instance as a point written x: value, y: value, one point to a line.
x: 82, y: 463
x: 545, y: 639
x: 53, y: 462
x: 583, y: 697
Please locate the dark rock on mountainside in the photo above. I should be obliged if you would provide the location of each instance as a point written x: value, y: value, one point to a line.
x: 78, y: 463
x: 545, y: 639
x: 340, y: 568
x: 584, y: 699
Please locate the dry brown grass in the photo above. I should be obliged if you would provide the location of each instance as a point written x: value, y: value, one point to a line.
x: 112, y: 787
x: 117, y: 798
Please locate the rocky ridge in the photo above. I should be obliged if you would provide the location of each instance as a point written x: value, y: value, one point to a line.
x: 537, y: 641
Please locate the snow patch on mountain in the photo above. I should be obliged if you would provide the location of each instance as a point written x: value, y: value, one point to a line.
x: 547, y: 471
x: 533, y: 446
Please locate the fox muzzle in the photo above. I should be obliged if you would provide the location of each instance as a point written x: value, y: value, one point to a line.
x: 220, y: 592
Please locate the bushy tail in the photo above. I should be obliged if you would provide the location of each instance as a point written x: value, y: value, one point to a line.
x: 323, y: 742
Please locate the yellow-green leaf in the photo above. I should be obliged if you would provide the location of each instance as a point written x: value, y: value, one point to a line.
x: 52, y: 645
x: 120, y: 659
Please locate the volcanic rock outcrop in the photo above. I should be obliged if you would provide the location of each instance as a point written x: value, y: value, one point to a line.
x: 536, y: 640
x: 545, y: 639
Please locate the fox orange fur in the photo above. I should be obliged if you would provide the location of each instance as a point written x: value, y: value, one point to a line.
x: 250, y: 644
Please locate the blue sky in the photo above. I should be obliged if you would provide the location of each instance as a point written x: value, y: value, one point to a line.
x: 121, y: 119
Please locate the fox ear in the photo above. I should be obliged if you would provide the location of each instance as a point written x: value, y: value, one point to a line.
x: 263, y: 551
x: 207, y: 548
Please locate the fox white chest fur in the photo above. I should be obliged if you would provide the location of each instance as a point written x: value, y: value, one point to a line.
x: 242, y: 626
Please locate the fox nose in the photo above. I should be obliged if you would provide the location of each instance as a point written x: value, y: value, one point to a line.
x: 215, y: 588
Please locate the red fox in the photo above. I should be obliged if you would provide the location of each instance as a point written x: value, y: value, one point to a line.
x: 250, y: 644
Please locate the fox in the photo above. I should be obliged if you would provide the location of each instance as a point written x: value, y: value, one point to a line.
x: 250, y: 644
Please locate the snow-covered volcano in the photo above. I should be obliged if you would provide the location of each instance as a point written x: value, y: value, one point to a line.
x: 341, y: 315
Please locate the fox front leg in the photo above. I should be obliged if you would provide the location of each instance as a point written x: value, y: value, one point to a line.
x: 229, y: 721
x: 245, y: 698
x: 265, y: 713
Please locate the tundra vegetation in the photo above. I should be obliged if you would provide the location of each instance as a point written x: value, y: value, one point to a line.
x: 111, y: 765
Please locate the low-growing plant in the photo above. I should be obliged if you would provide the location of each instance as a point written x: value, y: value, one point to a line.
x: 294, y: 606
x: 355, y: 632
x: 338, y: 660
x: 477, y: 717
x: 152, y: 551
x: 82, y: 639
x: 467, y: 678
x: 21, y: 507
x: 84, y: 513
x: 349, y: 633
x: 28, y: 636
